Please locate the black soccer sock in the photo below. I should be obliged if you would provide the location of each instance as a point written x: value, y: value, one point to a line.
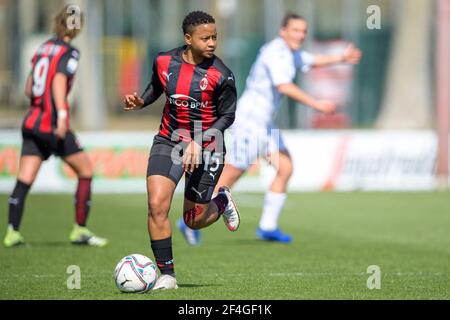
x: 82, y: 201
x: 162, y: 250
x: 16, y: 204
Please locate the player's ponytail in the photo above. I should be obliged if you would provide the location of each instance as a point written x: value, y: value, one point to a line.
x: 68, y: 22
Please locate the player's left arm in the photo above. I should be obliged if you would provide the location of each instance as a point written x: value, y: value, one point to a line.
x: 351, y: 55
x: 226, y: 108
x: 226, y: 103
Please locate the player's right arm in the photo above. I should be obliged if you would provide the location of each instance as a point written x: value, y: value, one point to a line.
x: 281, y: 68
x: 294, y: 92
x: 151, y: 94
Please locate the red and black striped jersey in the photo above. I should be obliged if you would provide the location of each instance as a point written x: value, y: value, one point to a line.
x: 52, y: 57
x: 198, y: 97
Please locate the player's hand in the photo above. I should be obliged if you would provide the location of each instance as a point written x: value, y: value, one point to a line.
x: 325, y: 106
x: 191, y: 156
x: 352, y: 55
x: 61, y: 129
x: 133, y: 102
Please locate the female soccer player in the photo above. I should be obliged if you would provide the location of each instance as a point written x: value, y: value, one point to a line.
x: 46, y: 128
x: 255, y: 135
x: 200, y: 105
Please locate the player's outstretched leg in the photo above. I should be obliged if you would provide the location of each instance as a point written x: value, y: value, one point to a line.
x: 198, y: 215
x: 80, y: 234
x: 221, y: 204
x: 274, y: 200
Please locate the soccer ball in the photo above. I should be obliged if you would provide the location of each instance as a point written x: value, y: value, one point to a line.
x: 135, y: 273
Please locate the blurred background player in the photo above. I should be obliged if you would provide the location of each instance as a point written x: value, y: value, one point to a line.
x: 46, y: 129
x: 201, y: 104
x: 254, y: 133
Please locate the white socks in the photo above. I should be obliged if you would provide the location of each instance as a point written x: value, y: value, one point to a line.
x: 273, y: 204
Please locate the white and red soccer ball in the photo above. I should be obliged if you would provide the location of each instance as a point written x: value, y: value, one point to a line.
x: 135, y: 273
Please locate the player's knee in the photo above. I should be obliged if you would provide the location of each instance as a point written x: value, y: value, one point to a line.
x: 158, y: 208
x: 86, y: 171
x: 285, y: 171
x: 81, y: 164
x: 85, y: 175
x: 27, y: 178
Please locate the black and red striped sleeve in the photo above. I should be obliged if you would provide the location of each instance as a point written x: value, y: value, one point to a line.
x: 226, y: 103
x: 154, y: 88
x: 68, y: 63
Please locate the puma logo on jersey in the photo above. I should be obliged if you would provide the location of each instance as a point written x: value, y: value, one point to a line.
x: 167, y: 75
x: 213, y: 175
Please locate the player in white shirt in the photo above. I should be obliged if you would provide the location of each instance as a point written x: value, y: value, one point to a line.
x: 254, y: 134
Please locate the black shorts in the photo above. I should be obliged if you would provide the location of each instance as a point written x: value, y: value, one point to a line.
x: 200, y: 184
x: 44, y: 145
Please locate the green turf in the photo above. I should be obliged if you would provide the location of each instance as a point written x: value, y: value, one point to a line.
x: 336, y: 237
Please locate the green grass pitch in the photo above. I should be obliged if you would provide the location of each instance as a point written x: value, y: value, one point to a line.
x: 337, y: 236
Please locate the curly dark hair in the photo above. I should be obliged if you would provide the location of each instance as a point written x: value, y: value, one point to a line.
x: 194, y: 19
